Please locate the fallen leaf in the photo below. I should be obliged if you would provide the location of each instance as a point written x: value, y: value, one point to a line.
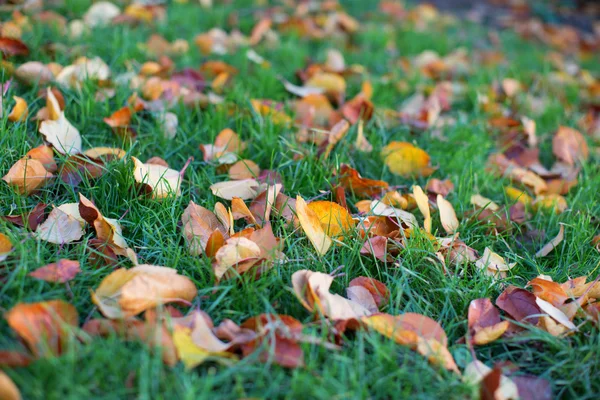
x: 45, y: 327
x: 100, y: 13
x: 548, y: 247
x: 351, y: 180
x: 13, y: 47
x: 34, y: 72
x: 484, y: 203
x: 312, y: 289
x: 19, y: 111
x: 29, y: 220
x: 312, y: 227
x: 61, y: 272
x: 378, y: 290
x: 238, y: 253
x: 245, y: 189
x: 493, y: 264
x: 519, y: 304
x: 570, y: 146
x: 406, y: 160
x: 161, y: 181
x: 27, y: 175
x: 127, y: 292
x: 6, y: 246
x: 8, y: 389
x: 60, y: 227
x: 423, y: 204
x: 198, y: 225
x: 555, y: 313
x: 244, y: 169
x: 485, y: 324
x: 549, y: 291
x: 335, y: 219
x: 447, y: 215
x: 63, y: 136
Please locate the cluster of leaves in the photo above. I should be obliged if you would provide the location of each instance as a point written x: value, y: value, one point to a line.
x: 244, y: 236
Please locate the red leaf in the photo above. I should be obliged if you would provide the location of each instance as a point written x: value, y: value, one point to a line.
x: 62, y: 271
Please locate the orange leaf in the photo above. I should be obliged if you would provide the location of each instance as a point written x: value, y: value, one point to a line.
x: 44, y: 326
x: 335, y: 219
x: 351, y: 180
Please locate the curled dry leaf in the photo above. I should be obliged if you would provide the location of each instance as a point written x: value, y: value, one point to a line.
x: 159, y: 180
x: 245, y: 189
x: 312, y: 290
x: 63, y: 225
x: 335, y: 219
x: 351, y: 180
x: 237, y: 253
x: 312, y: 227
x: 423, y: 204
x: 485, y: 324
x: 227, y: 144
x: 502, y: 387
x: 61, y: 271
x: 555, y: 313
x: 128, y: 292
x: 45, y: 326
x: 29, y: 220
x: 484, y: 203
x: 547, y: 290
x: 493, y: 264
x: 19, y: 111
x: 548, y: 247
x: 447, y: 215
x: 61, y: 134
x: 198, y: 226
x: 406, y: 160
x: 27, y: 175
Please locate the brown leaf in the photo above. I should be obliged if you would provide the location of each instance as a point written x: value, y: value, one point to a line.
x: 30, y: 220
x: 570, y: 146
x: 519, y: 304
x: 378, y: 290
x: 485, y: 324
x: 80, y: 167
x: 128, y: 292
x: 62, y: 271
x: 198, y: 226
x: 13, y: 47
x: 436, y: 186
x: 45, y: 326
x: 34, y: 72
x: 376, y: 246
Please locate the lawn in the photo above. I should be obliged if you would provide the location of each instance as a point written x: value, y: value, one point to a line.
x: 387, y: 51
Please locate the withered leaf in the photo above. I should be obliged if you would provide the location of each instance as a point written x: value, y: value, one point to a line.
x: 61, y: 271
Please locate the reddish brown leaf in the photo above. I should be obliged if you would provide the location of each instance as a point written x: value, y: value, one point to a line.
x: 519, y: 304
x: 378, y: 290
x: 12, y: 359
x: 13, y: 47
x: 30, y: 220
x: 351, y: 180
x: 62, y: 271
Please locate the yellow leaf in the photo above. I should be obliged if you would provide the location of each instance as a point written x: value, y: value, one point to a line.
x: 19, y: 111
x: 447, y: 215
x: 311, y: 224
x: 5, y: 246
x: 406, y: 160
x: 335, y: 219
x: 423, y: 204
x: 8, y: 389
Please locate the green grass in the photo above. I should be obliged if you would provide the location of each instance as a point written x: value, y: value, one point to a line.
x: 368, y: 366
